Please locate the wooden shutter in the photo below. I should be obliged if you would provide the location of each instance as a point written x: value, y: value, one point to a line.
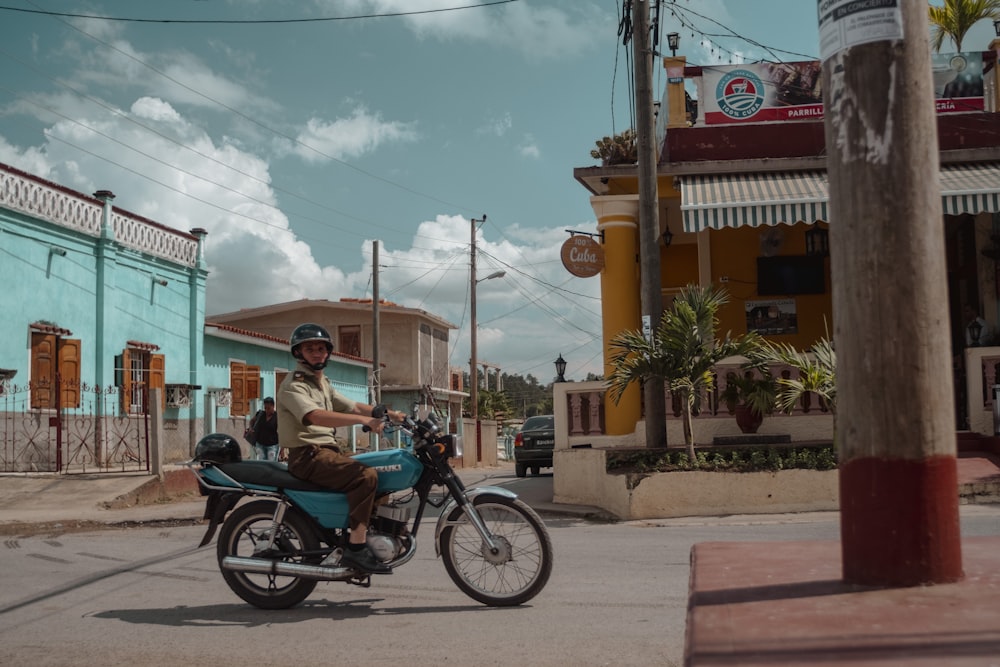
x: 126, y: 382
x: 238, y: 387
x: 253, y: 384
x: 69, y: 372
x: 157, y: 365
x: 44, y: 363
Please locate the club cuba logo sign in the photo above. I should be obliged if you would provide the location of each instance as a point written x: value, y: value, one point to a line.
x: 740, y: 94
x: 582, y: 256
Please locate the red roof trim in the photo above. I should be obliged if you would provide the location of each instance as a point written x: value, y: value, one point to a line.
x: 274, y: 339
x: 45, y: 327
x: 139, y: 345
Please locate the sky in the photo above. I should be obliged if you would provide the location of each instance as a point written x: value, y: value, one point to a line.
x: 300, y: 132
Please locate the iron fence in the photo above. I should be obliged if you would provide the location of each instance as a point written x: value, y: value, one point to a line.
x: 97, y: 436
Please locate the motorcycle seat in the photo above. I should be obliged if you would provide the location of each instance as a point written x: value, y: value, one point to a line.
x: 268, y: 473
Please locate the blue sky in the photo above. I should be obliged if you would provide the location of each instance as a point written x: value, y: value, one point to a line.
x: 297, y: 144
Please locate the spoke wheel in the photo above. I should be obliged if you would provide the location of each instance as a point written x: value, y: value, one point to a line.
x: 246, y: 534
x: 513, y: 573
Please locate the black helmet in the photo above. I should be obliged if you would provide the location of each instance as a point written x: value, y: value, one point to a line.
x: 307, y: 332
x: 218, y: 448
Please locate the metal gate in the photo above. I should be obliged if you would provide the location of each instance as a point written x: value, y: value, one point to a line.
x: 96, y: 437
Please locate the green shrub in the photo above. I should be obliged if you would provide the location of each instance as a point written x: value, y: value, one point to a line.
x: 743, y: 459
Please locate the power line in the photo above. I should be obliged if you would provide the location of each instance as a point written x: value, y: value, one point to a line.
x: 252, y: 21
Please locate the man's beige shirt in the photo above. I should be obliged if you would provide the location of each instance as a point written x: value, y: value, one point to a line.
x: 300, y: 393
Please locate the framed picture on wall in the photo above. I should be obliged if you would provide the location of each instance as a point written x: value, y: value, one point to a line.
x: 772, y: 317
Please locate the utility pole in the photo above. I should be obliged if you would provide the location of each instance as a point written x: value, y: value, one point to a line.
x: 895, y: 426
x: 654, y: 397
x: 473, y: 362
x: 376, y: 369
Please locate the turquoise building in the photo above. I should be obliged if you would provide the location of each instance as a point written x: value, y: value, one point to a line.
x: 102, y: 307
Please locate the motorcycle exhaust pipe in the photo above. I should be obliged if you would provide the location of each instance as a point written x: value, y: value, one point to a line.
x: 281, y: 568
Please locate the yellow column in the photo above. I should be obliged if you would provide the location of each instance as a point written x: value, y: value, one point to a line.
x: 991, y: 82
x: 676, y: 104
x: 618, y: 219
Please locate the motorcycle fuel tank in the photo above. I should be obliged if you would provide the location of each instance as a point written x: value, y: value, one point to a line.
x: 397, y: 469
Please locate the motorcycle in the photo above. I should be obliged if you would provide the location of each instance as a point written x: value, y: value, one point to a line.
x: 275, y: 549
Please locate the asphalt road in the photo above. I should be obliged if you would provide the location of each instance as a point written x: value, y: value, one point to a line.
x: 617, y: 596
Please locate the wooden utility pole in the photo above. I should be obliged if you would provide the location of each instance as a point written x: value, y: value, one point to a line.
x: 654, y: 398
x: 376, y: 356
x: 895, y: 425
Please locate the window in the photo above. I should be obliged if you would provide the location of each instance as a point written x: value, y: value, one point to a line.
x: 244, y: 381
x: 349, y: 340
x: 55, y: 363
x: 139, y: 370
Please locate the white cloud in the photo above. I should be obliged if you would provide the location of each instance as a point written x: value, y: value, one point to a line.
x: 355, y: 135
x: 533, y: 30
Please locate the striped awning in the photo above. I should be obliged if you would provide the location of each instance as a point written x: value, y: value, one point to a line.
x: 716, y: 201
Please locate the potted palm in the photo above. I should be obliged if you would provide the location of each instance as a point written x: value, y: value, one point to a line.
x: 750, y: 395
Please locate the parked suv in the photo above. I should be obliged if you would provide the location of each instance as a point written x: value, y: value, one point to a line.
x: 533, y: 444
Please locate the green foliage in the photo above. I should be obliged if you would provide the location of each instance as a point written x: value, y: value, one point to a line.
x: 682, y: 351
x: 744, y: 459
x: 618, y: 149
x: 955, y: 17
x: 817, y: 373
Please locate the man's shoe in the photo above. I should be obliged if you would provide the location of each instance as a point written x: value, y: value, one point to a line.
x: 365, y: 561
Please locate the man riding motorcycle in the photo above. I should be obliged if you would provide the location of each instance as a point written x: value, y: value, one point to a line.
x: 309, y: 412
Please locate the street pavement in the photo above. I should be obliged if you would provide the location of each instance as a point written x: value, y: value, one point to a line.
x: 30, y: 503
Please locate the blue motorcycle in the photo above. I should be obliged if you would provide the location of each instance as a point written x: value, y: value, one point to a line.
x: 290, y: 535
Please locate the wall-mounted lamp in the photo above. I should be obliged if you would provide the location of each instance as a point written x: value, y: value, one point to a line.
x: 56, y: 250
x: 817, y: 242
x: 975, y: 331
x: 162, y: 282
x: 667, y: 236
x: 996, y: 26
x: 674, y: 42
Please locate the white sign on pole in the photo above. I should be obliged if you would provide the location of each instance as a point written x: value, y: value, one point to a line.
x: 847, y: 23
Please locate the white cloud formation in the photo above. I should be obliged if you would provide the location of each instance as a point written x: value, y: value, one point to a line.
x: 355, y: 135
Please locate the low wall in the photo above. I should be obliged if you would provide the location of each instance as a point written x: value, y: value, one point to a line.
x: 580, y: 478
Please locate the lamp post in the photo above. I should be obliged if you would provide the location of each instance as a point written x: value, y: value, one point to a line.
x: 473, y: 361
x: 673, y: 42
x: 560, y: 369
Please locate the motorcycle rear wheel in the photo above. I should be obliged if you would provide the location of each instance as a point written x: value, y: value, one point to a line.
x: 514, y: 575
x: 243, y: 531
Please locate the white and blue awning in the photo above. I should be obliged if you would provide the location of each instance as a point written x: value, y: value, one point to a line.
x: 717, y: 201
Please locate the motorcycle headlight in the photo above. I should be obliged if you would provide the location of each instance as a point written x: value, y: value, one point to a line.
x: 452, y: 445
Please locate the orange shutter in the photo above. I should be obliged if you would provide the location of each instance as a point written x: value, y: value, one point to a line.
x: 43, y: 370
x: 126, y: 385
x: 237, y: 385
x: 157, y: 365
x: 69, y: 372
x: 253, y: 384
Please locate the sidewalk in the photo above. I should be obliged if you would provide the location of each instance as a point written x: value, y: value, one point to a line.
x: 32, y: 503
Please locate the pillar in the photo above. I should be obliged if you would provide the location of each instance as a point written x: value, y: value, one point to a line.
x: 618, y: 221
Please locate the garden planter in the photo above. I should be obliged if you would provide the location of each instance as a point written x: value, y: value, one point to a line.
x: 748, y: 420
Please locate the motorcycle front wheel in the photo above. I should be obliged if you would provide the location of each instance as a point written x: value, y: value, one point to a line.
x: 516, y: 571
x: 245, y: 534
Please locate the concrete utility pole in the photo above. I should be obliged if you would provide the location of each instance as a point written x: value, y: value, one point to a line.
x: 654, y: 398
x: 895, y: 425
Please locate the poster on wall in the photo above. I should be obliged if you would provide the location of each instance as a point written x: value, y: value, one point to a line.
x: 763, y: 92
x: 772, y: 317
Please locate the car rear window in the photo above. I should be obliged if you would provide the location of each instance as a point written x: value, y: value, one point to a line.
x: 535, y: 423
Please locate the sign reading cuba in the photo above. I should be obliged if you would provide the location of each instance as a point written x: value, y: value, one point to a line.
x: 740, y: 94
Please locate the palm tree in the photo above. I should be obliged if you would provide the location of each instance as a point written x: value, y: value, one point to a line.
x: 681, y: 352
x: 817, y: 374
x: 956, y: 17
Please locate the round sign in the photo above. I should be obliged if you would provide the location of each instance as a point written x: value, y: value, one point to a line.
x: 582, y: 256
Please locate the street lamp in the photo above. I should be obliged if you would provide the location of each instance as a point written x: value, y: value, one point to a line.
x: 560, y: 369
x: 673, y: 42
x: 473, y: 361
